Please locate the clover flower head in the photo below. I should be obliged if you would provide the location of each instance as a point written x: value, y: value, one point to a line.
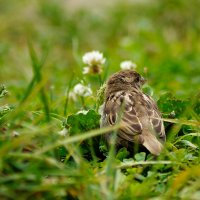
x: 94, y: 58
x: 82, y: 90
x: 127, y: 65
x: 86, y: 70
x: 72, y: 96
x: 95, y: 69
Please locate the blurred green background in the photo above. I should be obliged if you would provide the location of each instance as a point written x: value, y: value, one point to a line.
x: 160, y: 35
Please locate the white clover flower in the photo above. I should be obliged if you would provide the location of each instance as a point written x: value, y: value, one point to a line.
x: 86, y: 70
x: 127, y: 65
x: 72, y: 96
x: 94, y: 58
x: 82, y: 90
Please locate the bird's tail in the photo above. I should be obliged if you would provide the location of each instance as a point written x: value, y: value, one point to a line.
x: 152, y: 144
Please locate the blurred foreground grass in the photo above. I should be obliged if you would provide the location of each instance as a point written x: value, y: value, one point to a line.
x: 41, y: 46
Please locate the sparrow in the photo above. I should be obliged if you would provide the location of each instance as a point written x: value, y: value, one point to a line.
x: 138, y: 115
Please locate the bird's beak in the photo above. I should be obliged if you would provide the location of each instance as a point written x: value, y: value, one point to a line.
x: 143, y: 80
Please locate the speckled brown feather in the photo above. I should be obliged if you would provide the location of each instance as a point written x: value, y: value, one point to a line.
x: 137, y: 112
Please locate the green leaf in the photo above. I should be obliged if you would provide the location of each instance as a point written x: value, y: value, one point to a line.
x: 103, y: 148
x: 188, y: 143
x: 83, y: 121
x: 190, y: 157
x: 140, y: 156
x: 188, y: 135
x: 160, y: 188
x: 147, y: 89
x: 122, y: 153
x: 169, y: 104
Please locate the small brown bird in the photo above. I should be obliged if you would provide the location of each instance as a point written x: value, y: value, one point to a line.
x: 138, y: 114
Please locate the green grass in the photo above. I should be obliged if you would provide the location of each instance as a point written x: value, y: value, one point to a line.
x: 41, y: 49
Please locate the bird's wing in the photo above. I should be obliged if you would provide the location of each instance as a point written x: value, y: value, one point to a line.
x: 134, y: 111
x: 154, y: 116
x: 121, y: 107
x: 139, y: 116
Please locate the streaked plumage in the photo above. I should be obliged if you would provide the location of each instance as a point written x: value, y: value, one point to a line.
x: 137, y: 112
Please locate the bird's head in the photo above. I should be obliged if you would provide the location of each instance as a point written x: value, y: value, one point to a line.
x: 125, y: 79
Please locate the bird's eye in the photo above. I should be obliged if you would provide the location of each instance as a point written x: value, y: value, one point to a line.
x: 137, y: 79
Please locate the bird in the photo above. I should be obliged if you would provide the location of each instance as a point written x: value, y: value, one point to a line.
x: 138, y: 114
